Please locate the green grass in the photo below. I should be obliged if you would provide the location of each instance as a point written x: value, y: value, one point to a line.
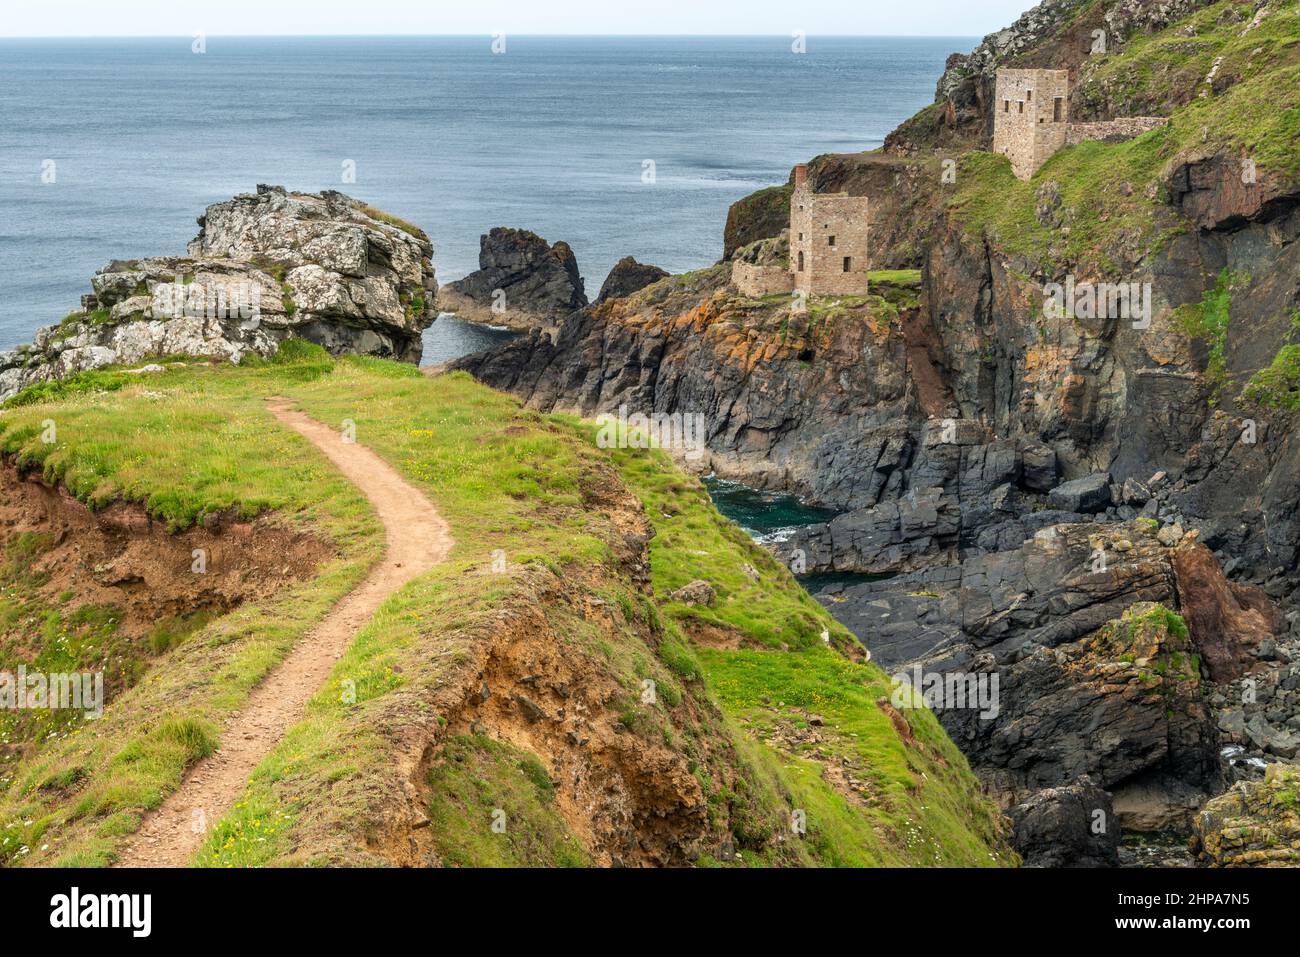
x: 1277, y: 386
x: 756, y: 595
x: 1095, y: 202
x: 98, y: 380
x: 58, y: 640
x: 391, y: 220
x: 1111, y: 193
x: 931, y: 816
x: 1154, y: 73
x: 482, y: 781
x: 896, y: 277
x: 210, y: 446
x: 1209, y: 321
x: 507, y: 480
x: 928, y: 808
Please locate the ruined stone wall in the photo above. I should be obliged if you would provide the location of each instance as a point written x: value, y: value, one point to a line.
x: 1113, y: 131
x: 757, y: 281
x: 829, y: 253
x: 1031, y: 116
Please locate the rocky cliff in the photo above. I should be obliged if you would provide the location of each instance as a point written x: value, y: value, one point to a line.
x: 628, y: 276
x: 1017, y: 478
x: 264, y: 267
x: 1253, y: 825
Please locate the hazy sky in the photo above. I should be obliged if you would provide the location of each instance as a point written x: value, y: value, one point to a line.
x: 237, y: 17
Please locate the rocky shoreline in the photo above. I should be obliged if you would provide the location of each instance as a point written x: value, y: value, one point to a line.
x: 1074, y: 537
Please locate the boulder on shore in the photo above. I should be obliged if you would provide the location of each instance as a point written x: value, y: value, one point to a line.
x: 1088, y: 494
x: 1070, y: 826
x: 1255, y: 824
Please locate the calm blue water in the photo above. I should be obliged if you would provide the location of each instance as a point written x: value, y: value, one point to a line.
x: 549, y: 136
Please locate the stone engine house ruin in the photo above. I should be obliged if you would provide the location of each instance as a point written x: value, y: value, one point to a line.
x: 827, y: 243
x: 1031, y: 119
x: 1031, y: 112
x: 829, y: 254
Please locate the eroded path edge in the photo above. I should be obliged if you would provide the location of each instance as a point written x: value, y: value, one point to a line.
x: 417, y: 538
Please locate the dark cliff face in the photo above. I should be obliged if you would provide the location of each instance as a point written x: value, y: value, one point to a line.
x: 818, y: 403
x: 760, y: 215
x: 983, y: 449
x: 836, y: 411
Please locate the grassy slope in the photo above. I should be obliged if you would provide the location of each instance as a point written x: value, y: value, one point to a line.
x: 205, y: 445
x: 926, y: 813
x: 197, y: 440
x: 1113, y: 191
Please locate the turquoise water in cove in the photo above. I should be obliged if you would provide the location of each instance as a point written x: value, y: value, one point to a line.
x: 762, y: 513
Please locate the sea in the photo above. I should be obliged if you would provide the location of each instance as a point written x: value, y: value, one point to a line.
x: 109, y: 148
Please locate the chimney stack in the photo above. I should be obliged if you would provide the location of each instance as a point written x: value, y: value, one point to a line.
x: 801, y: 174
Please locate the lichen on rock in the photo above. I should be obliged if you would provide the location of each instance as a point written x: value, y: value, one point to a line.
x: 265, y: 267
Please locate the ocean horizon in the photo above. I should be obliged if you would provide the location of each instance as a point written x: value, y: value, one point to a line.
x: 619, y: 145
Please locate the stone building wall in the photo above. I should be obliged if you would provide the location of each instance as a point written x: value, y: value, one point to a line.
x: 829, y: 254
x: 1031, y: 116
x: 1113, y: 131
x: 757, y: 281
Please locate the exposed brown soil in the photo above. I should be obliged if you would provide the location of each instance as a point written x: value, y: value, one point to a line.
x: 932, y: 392
x: 629, y: 795
x: 713, y: 636
x: 417, y: 539
x: 629, y: 799
x: 120, y: 556
x: 1227, y: 620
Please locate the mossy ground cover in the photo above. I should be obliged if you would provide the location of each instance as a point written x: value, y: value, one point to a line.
x: 1095, y: 201
x: 198, y: 440
x: 1277, y: 385
x: 1155, y: 71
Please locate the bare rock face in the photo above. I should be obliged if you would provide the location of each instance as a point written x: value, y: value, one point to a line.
x: 1123, y: 705
x: 1069, y: 826
x: 1229, y: 620
x: 265, y: 267
x: 629, y: 276
x: 522, y: 282
x: 1256, y: 824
